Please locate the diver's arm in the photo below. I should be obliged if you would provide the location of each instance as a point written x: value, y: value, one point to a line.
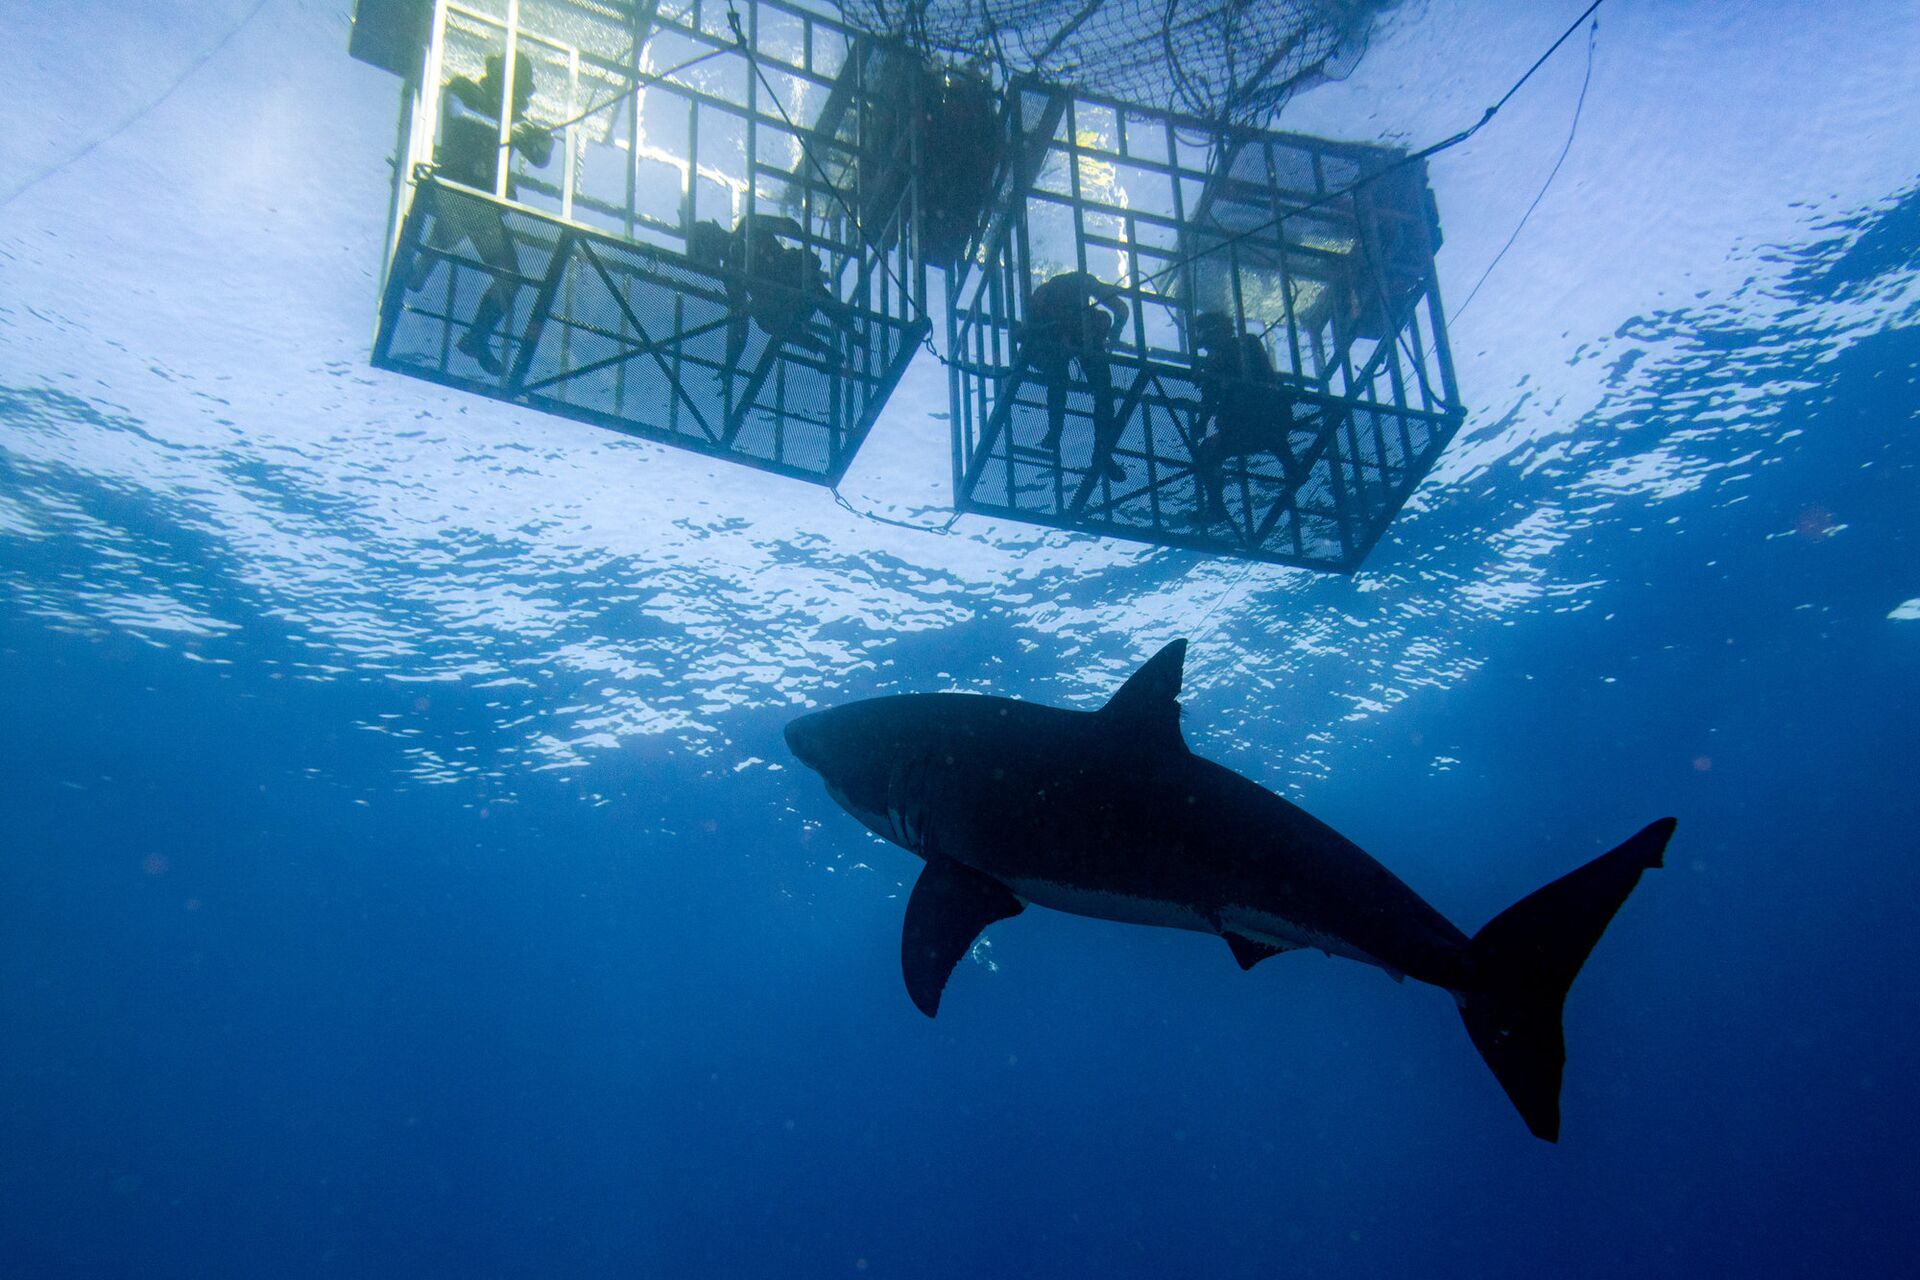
x: 779, y: 224
x: 467, y: 92
x: 533, y: 142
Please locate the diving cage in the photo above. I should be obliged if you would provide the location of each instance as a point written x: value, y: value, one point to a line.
x: 715, y: 247
x: 1320, y: 252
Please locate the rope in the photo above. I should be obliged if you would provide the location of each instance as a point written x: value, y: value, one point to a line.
x: 1580, y: 105
x: 199, y: 62
x: 1415, y: 157
x: 800, y: 135
x: 806, y: 151
x: 877, y: 518
x: 643, y: 80
x: 1200, y: 629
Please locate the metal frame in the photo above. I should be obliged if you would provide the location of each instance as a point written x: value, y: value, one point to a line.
x: 662, y: 120
x: 1268, y: 228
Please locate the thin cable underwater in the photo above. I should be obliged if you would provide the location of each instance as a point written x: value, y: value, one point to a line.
x: 1200, y: 627
x: 205, y: 57
x: 642, y: 80
x: 1593, y: 34
x: 1413, y: 157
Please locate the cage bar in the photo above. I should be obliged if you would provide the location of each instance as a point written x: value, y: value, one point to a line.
x: 1319, y: 252
x: 716, y: 249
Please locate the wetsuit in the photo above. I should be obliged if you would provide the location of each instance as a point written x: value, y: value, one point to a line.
x: 1069, y: 320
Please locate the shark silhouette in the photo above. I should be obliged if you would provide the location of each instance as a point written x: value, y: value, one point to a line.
x: 1108, y: 814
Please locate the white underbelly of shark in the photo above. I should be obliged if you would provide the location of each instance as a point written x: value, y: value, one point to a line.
x: 1102, y: 905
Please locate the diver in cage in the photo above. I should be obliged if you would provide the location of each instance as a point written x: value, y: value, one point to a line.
x: 1249, y: 409
x: 1070, y: 320
x: 778, y: 286
x: 957, y: 174
x: 469, y: 153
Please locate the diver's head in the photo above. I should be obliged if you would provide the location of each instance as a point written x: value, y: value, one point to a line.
x: 495, y: 76
x: 1212, y: 329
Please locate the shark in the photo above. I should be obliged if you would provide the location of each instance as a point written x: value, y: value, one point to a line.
x: 1107, y: 813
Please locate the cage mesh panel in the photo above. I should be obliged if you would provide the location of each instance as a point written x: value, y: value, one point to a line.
x: 617, y: 303
x: 1335, y: 286
x: 631, y: 337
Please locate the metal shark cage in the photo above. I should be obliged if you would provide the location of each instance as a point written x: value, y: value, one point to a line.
x: 1322, y: 252
x: 715, y: 247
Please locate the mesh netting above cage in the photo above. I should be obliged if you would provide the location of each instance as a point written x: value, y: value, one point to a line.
x: 1227, y: 60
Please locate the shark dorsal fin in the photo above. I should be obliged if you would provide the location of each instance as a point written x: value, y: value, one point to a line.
x: 1148, y: 704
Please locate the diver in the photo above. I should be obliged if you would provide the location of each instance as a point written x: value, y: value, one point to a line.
x: 1070, y: 320
x: 778, y: 286
x: 956, y: 178
x: 469, y: 153
x: 884, y: 162
x: 1242, y: 398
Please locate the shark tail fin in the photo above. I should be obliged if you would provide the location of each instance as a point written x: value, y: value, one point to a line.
x: 1525, y: 959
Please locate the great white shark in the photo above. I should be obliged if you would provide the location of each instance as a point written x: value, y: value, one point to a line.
x: 1108, y: 814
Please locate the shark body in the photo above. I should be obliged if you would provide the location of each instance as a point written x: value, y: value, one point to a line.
x: 1108, y: 814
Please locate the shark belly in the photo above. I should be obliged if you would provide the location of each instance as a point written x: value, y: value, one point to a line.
x: 1109, y: 904
x: 1278, y: 931
x: 1263, y: 927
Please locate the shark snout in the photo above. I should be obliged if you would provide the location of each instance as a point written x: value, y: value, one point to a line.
x: 803, y: 739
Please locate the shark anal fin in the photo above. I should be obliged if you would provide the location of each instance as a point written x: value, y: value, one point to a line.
x: 950, y: 905
x: 1250, y: 953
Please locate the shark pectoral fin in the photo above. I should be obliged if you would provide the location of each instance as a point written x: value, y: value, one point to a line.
x: 950, y: 905
x: 1250, y: 953
x: 1147, y: 706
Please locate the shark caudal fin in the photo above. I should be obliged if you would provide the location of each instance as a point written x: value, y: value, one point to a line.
x: 1526, y: 958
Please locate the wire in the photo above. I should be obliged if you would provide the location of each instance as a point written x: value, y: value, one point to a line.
x: 1198, y: 631
x: 1414, y: 157
x: 642, y: 81
x: 898, y: 524
x: 1541, y: 61
x: 199, y: 62
x: 1593, y: 33
x: 806, y: 150
x: 833, y: 188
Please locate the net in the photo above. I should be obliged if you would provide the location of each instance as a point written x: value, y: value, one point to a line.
x: 1233, y: 61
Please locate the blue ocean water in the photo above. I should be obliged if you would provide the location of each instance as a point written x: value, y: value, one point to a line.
x: 401, y: 871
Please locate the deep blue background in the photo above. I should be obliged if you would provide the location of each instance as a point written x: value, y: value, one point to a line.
x: 270, y: 1004
x: 259, y: 1003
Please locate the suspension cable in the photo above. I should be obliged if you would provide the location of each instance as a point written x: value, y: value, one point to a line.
x: 643, y: 79
x: 1414, y: 157
x: 1579, y: 105
x: 206, y: 56
x: 806, y: 152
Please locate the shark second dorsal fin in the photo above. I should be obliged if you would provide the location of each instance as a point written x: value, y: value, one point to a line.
x: 1148, y: 704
